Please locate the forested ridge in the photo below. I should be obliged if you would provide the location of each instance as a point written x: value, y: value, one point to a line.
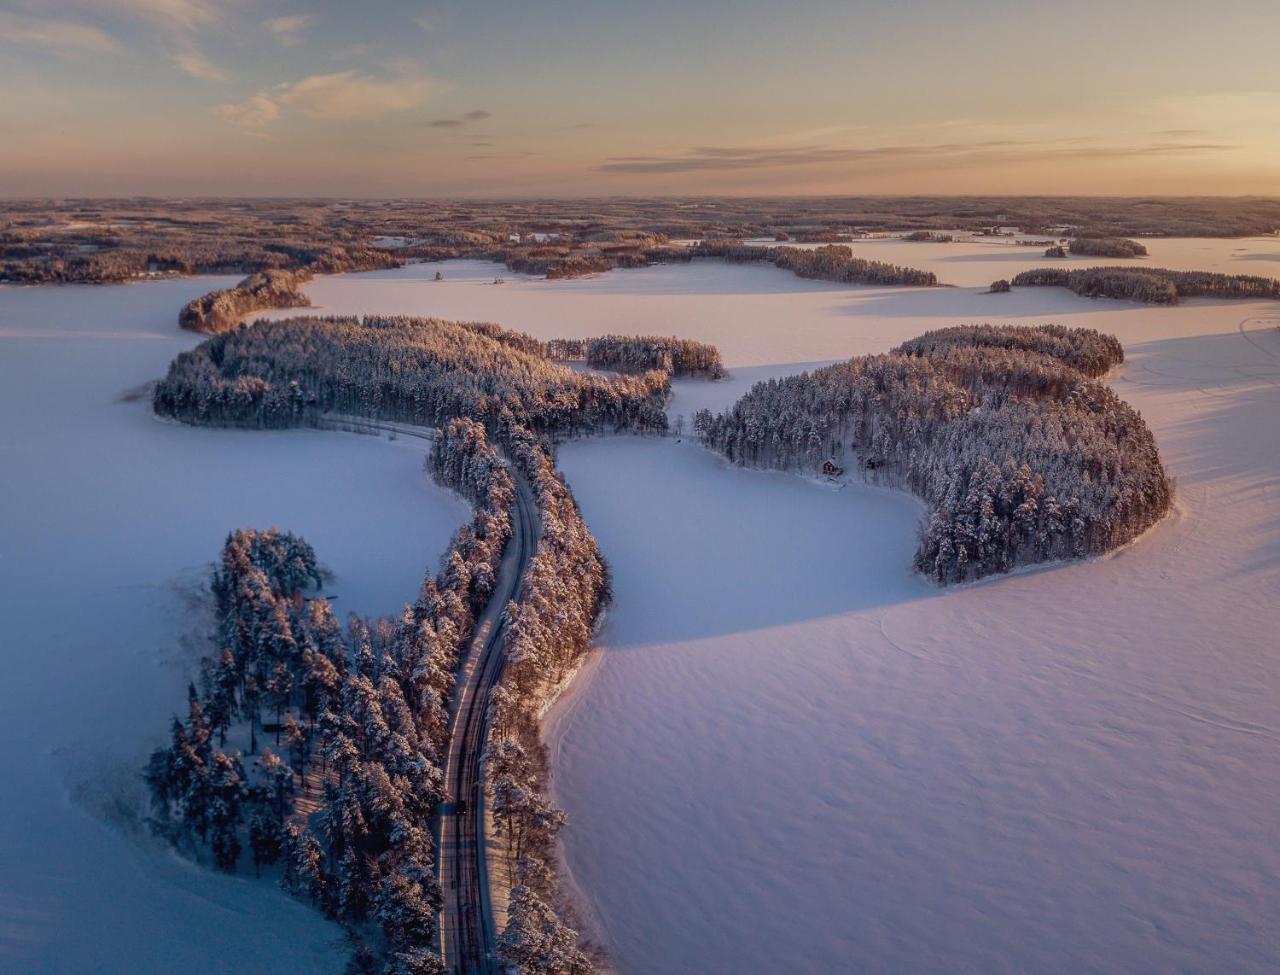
x: 420, y: 371
x: 834, y: 262
x: 1154, y: 285
x: 1019, y: 456
x: 342, y: 797
x: 641, y: 353
x: 219, y: 311
x: 1107, y: 247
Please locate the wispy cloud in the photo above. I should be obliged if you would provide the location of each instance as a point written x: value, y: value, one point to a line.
x: 356, y: 94
x: 63, y: 34
x: 339, y: 96
x: 288, y: 30
x: 198, y: 66
x: 477, y: 115
x: 718, y: 158
x: 184, y: 14
x: 253, y: 114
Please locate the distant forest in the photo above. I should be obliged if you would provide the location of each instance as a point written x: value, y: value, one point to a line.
x: 832, y: 262
x: 1152, y: 285
x: 1107, y: 247
x: 117, y: 240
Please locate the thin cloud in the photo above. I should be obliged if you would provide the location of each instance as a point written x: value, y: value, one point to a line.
x: 198, y: 66
x: 340, y: 96
x: 184, y: 14
x: 476, y: 115
x: 253, y: 114
x: 61, y: 34
x: 353, y: 94
x: 288, y: 29
x: 724, y: 159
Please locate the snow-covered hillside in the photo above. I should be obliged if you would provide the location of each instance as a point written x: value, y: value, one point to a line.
x: 108, y: 521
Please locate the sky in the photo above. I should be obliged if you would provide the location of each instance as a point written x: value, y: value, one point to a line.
x: 546, y: 98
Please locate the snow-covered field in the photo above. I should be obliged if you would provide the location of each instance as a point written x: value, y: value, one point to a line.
x: 792, y: 755
x: 108, y: 520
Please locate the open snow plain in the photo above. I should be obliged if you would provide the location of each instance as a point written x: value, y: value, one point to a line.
x: 793, y: 755
x: 108, y: 522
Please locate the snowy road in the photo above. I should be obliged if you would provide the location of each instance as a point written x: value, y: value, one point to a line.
x: 469, y: 929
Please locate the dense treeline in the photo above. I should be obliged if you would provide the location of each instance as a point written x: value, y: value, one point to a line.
x: 1157, y: 286
x: 834, y: 262
x: 1107, y: 247
x: 641, y: 353
x: 573, y: 259
x: 219, y: 311
x: 421, y: 371
x: 1092, y: 352
x: 549, y: 631
x: 360, y: 723
x: 1019, y: 457
x: 121, y: 261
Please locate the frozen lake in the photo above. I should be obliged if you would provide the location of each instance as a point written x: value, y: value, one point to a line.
x: 793, y: 755
x: 108, y: 521
x: 790, y: 753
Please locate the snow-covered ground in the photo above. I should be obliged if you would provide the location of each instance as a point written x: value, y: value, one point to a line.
x: 108, y: 521
x: 793, y: 755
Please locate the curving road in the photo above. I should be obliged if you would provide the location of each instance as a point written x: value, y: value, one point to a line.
x: 468, y: 931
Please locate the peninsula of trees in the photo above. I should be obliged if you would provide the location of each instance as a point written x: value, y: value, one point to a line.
x: 834, y: 262
x: 640, y: 353
x: 420, y: 371
x: 1156, y: 286
x: 346, y: 730
x: 1107, y: 247
x: 1019, y: 453
x: 219, y: 311
x: 362, y: 714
